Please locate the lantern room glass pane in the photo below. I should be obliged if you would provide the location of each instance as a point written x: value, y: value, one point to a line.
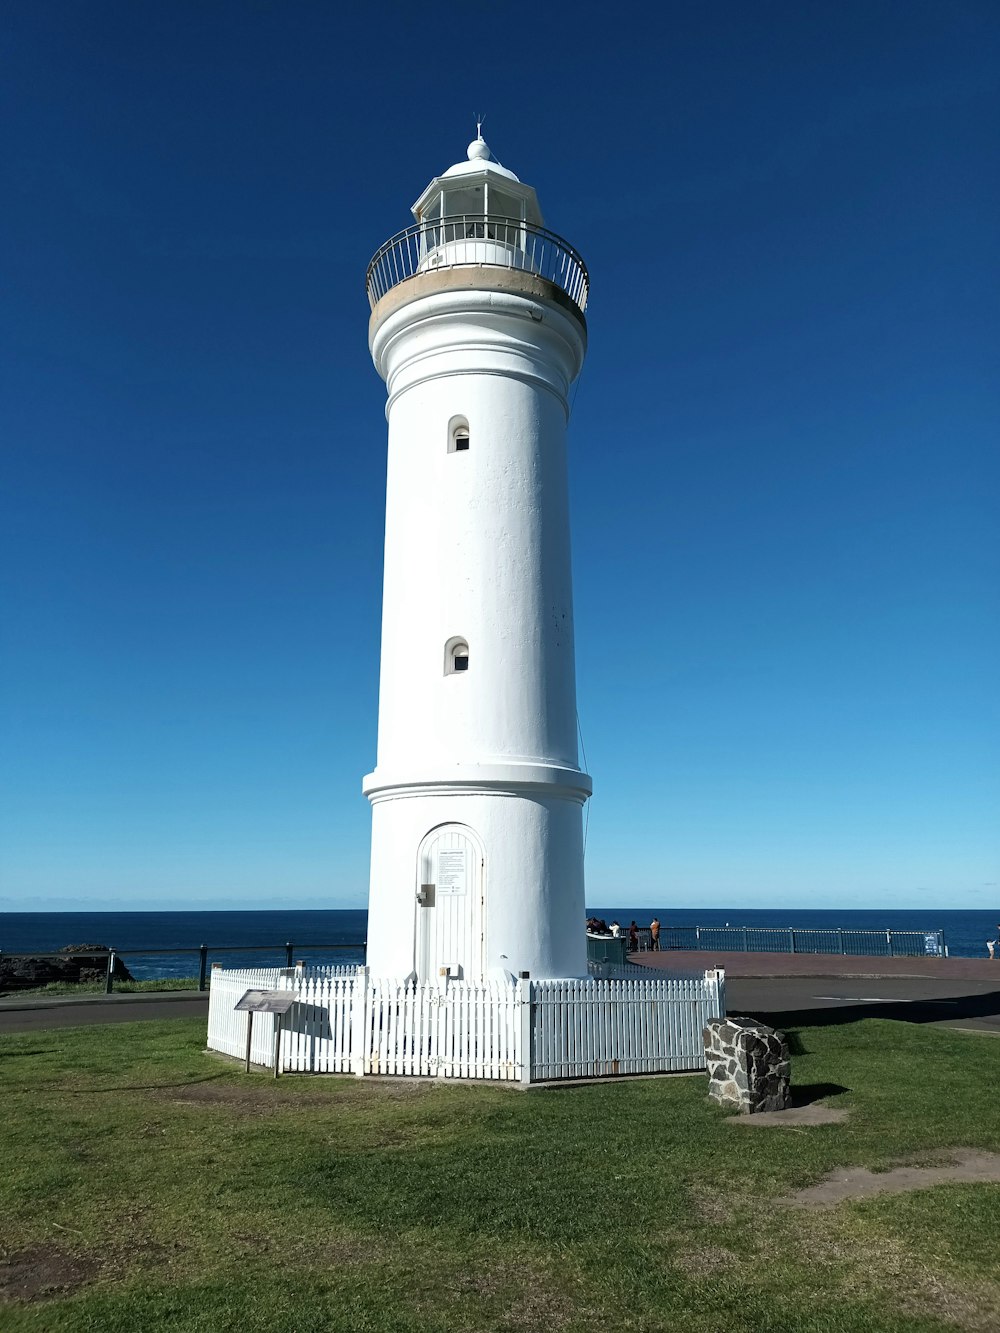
x: 503, y: 205
x: 463, y: 201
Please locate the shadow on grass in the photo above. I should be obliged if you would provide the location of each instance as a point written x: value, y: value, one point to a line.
x: 147, y: 1087
x: 117, y: 1087
x: 950, y: 1010
x: 804, y: 1094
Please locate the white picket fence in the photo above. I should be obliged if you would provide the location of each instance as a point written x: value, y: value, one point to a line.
x: 316, y: 1031
x: 345, y: 1021
x: 462, y: 1030
x: 638, y: 1025
x: 227, y: 1029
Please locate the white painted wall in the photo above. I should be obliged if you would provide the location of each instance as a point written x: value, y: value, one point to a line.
x: 532, y: 879
x: 478, y: 546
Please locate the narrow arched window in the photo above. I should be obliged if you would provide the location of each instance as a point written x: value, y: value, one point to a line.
x: 456, y: 656
x: 458, y: 435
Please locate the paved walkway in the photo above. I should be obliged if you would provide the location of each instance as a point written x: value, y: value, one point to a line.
x: 807, y: 990
x: 30, y: 1013
x: 791, y: 1002
x: 786, y: 990
x: 738, y: 964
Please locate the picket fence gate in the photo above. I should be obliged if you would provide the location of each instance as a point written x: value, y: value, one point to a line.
x: 345, y: 1021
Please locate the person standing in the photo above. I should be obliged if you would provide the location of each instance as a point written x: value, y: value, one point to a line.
x: 633, y: 938
x: 654, y: 933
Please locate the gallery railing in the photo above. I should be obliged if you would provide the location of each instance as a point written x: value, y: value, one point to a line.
x: 465, y: 239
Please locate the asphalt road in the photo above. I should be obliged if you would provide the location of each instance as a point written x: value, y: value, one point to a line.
x: 781, y: 1001
x: 38, y: 1012
x: 816, y: 1001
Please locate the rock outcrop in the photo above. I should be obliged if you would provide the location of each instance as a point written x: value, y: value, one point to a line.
x: 74, y: 963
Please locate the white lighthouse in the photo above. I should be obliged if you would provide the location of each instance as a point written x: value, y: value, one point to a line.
x: 478, y: 330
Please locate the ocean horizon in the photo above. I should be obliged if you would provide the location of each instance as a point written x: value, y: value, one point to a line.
x: 148, y: 938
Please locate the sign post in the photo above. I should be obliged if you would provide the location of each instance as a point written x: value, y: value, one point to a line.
x: 277, y: 1002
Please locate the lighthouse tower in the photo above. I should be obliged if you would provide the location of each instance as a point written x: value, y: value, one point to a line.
x: 478, y: 330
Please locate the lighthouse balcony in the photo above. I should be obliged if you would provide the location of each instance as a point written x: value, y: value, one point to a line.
x: 478, y: 240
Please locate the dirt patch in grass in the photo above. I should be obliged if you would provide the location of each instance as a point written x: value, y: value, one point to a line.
x: 256, y: 1098
x: 710, y: 1206
x: 813, y: 1114
x: 252, y: 1099
x: 706, y: 1261
x: 534, y: 1305
x: 255, y: 1242
x: 355, y: 1252
x: 970, y: 1308
x: 341, y: 1252
x: 882, y: 1262
x: 43, y: 1271
x: 860, y: 1183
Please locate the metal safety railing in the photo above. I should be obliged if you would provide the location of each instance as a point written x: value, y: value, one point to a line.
x: 480, y: 239
x: 288, y: 951
x: 886, y: 943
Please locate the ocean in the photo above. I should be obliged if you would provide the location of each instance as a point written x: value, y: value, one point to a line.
x: 146, y: 938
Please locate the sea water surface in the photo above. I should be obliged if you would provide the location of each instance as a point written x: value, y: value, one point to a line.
x: 145, y: 938
x: 235, y: 939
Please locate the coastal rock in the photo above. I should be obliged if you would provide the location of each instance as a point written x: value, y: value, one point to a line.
x: 748, y: 1065
x: 74, y: 963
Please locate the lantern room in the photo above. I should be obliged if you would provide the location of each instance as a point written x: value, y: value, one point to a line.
x: 477, y: 214
x: 479, y: 201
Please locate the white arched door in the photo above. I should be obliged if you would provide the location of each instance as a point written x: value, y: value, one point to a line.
x: 451, y: 913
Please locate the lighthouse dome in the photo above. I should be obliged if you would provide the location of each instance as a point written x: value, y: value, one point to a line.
x: 478, y: 149
x: 479, y: 158
x: 477, y: 186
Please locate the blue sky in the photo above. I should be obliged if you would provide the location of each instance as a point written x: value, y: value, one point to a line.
x: 784, y: 466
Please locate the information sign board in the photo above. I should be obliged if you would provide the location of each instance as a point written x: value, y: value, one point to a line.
x: 266, y: 1001
x: 452, y: 874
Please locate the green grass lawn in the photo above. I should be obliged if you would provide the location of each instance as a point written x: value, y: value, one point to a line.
x: 98, y: 987
x: 166, y: 1190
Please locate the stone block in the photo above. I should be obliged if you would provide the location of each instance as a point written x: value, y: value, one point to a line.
x: 748, y: 1065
